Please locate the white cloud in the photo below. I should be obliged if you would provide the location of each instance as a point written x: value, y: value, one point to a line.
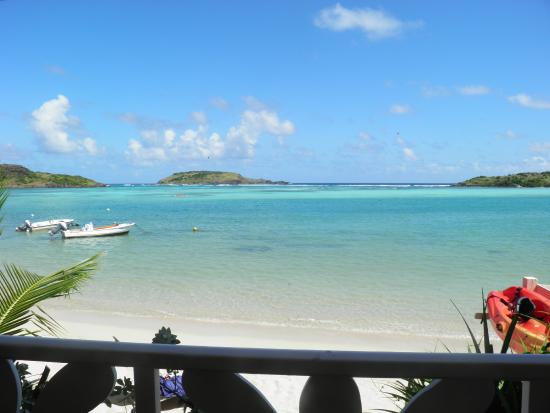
x: 529, y: 102
x: 169, y: 136
x: 473, y: 90
x: 90, y: 146
x: 52, y: 123
x: 144, y: 155
x: 366, y: 137
x: 409, y: 154
x: 199, y: 117
x: 242, y: 138
x: 219, y: 103
x: 239, y: 142
x: 434, y: 91
x: 400, y: 109
x: 375, y: 23
x: 537, y: 163
x: 254, y: 103
x: 509, y: 134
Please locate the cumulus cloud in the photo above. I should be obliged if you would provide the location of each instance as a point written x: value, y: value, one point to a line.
x: 473, y: 90
x: 529, y: 102
x: 199, y: 143
x: 52, y: 123
x: 376, y: 24
x: 400, y: 109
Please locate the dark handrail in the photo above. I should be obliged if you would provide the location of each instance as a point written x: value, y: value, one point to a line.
x: 271, y: 361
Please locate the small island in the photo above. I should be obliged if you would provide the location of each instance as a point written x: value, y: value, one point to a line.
x: 17, y: 176
x: 520, y: 180
x: 214, y: 178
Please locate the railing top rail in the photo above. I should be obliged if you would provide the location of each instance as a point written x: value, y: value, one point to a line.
x: 275, y: 361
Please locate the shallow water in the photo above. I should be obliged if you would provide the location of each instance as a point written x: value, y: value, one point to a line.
x: 344, y: 257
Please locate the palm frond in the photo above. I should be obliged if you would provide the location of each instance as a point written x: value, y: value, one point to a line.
x: 22, y: 291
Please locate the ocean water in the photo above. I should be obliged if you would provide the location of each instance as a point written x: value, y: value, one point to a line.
x: 378, y: 259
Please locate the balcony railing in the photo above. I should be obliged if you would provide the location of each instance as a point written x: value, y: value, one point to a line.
x: 464, y: 382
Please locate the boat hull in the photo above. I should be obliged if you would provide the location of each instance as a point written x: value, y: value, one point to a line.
x: 46, y: 225
x: 112, y: 230
x: 531, y: 333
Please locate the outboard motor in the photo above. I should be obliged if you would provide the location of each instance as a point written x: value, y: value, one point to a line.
x: 525, y: 307
x: 26, y: 227
x: 60, y: 227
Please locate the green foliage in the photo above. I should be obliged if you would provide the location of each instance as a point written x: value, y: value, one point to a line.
x: 17, y: 176
x: 402, y: 391
x: 524, y: 179
x: 31, y: 386
x: 212, y: 178
x: 508, y: 393
x: 165, y: 336
x: 123, y: 392
x: 21, y: 291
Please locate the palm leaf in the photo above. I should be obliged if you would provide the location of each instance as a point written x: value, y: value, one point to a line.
x: 22, y: 291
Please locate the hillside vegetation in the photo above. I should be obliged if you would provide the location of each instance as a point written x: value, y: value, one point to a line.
x: 213, y: 178
x: 17, y: 176
x: 524, y: 179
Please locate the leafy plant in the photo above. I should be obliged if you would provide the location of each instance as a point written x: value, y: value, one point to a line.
x: 165, y: 336
x: 508, y: 393
x: 124, y: 391
x: 22, y: 291
x: 31, y: 386
x: 402, y: 391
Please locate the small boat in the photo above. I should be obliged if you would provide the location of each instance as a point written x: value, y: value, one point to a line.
x: 530, y: 303
x: 29, y: 226
x: 89, y: 230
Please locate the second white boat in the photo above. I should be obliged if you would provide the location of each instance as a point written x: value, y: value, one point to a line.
x: 89, y: 230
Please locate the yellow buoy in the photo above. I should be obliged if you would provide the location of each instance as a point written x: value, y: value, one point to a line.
x: 195, y: 229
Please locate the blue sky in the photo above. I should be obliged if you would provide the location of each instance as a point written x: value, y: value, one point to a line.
x: 311, y: 91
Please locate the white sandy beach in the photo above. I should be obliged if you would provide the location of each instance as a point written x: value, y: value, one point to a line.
x: 282, y: 391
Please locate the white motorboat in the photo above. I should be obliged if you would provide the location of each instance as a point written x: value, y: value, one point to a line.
x: 29, y: 226
x: 89, y: 230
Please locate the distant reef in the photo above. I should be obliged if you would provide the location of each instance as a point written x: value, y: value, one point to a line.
x: 214, y: 178
x: 524, y: 179
x: 17, y: 176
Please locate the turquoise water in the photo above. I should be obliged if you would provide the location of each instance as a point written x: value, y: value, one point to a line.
x: 361, y: 258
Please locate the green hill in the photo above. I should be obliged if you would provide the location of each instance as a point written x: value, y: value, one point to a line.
x: 524, y: 179
x: 17, y: 176
x: 213, y: 178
